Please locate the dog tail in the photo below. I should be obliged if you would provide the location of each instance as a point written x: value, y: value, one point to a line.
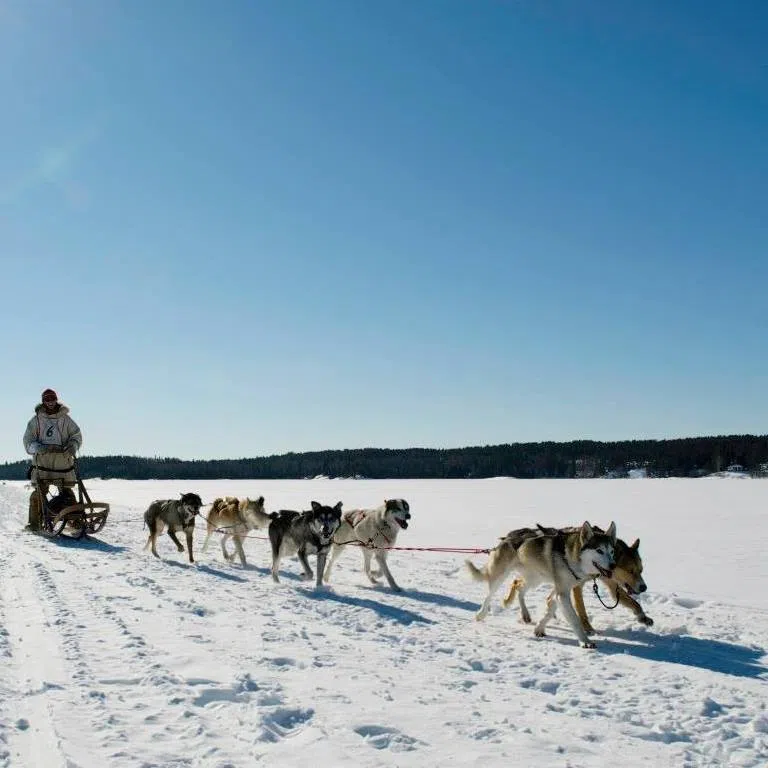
x: 511, y: 592
x: 478, y: 574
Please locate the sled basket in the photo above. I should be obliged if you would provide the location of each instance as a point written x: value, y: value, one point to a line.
x: 76, y: 515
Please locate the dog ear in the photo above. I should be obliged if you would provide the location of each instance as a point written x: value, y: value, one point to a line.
x: 611, y: 532
x: 260, y: 501
x: 316, y: 506
x: 586, y: 531
x: 337, y: 508
x: 636, y: 545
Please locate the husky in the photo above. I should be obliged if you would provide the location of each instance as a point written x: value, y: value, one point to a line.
x: 373, y: 530
x: 627, y: 580
x: 175, y: 515
x: 304, y: 533
x: 233, y: 518
x: 562, y: 559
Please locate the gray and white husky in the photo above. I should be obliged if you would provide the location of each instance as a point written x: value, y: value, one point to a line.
x: 372, y: 531
x: 625, y: 582
x: 302, y: 534
x: 563, y: 559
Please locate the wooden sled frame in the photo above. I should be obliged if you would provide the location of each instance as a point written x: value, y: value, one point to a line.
x: 84, y: 516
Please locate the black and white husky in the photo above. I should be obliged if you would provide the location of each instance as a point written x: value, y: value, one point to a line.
x: 173, y: 515
x: 304, y: 533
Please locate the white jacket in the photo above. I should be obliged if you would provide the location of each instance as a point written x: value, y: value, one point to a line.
x: 52, y: 429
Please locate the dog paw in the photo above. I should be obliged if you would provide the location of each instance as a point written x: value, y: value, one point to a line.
x: 647, y: 620
x: 305, y: 576
x: 539, y: 632
x: 526, y: 618
x: 589, y: 644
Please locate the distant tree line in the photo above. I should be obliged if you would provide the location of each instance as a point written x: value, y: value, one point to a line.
x: 685, y: 457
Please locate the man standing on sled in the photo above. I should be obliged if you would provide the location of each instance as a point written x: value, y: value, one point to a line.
x: 53, y: 439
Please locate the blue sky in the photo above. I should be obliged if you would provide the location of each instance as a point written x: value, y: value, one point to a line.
x: 235, y: 229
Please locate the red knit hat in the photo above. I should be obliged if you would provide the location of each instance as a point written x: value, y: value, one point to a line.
x: 49, y: 394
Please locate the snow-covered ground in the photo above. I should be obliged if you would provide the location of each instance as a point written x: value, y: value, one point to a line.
x: 110, y: 657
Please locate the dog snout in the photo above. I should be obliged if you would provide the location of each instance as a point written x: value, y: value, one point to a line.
x: 611, y: 565
x: 641, y: 587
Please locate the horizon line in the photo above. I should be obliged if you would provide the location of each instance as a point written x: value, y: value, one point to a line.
x: 420, y: 448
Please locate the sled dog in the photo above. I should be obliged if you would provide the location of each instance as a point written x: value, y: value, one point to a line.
x: 562, y: 559
x: 303, y: 533
x: 234, y: 518
x: 376, y: 528
x: 175, y: 515
x: 627, y: 580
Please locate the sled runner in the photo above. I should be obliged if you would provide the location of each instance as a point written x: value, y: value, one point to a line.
x: 69, y: 514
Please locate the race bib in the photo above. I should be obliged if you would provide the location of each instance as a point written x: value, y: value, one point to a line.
x: 50, y: 433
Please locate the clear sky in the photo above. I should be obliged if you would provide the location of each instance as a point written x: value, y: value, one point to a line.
x: 241, y: 228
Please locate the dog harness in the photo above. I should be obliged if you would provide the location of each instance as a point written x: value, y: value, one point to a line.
x: 355, y: 517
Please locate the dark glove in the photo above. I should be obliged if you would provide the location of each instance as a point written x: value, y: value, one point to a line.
x: 71, y: 448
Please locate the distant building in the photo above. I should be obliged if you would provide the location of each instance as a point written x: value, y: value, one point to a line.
x: 585, y: 467
x: 735, y: 468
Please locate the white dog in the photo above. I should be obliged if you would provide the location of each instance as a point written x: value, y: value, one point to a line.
x: 377, y: 530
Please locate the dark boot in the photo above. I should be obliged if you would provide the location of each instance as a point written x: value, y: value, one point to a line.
x: 35, y: 513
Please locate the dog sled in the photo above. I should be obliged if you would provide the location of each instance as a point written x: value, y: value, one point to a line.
x: 70, y: 512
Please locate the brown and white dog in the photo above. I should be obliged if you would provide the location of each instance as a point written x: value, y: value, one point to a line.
x: 372, y: 531
x: 234, y: 518
x: 561, y: 558
x: 625, y: 581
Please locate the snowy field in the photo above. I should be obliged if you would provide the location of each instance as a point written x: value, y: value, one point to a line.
x: 110, y: 657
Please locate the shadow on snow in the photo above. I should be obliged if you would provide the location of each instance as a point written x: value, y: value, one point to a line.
x: 434, y: 598
x: 87, y: 542
x: 202, y: 568
x: 400, y: 615
x: 713, y: 655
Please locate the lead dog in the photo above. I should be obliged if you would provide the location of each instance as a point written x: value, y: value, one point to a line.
x: 626, y: 580
x: 303, y: 533
x: 562, y: 559
x: 233, y: 518
x: 175, y: 515
x: 377, y: 529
